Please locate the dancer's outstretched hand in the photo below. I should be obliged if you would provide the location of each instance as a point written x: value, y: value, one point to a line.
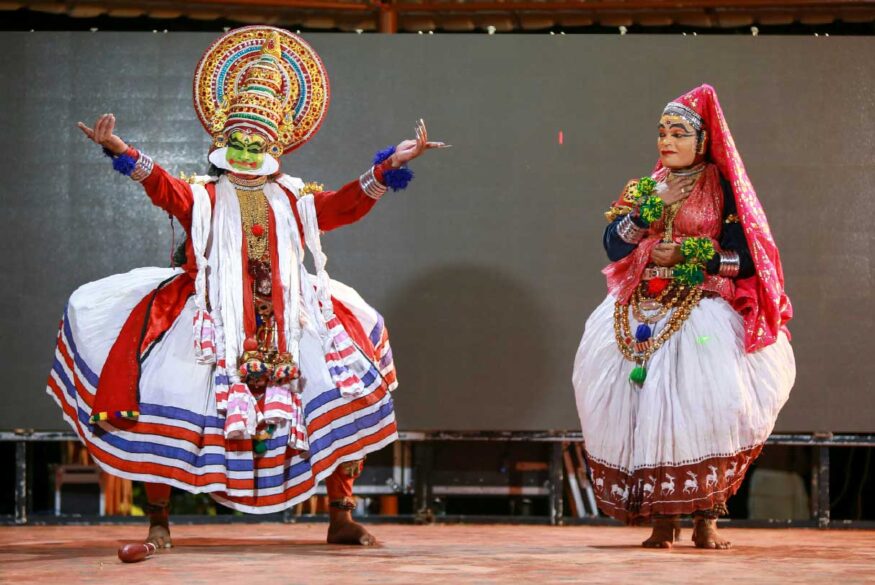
x: 102, y: 134
x: 410, y: 149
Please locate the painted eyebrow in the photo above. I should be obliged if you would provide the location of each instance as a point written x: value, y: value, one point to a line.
x: 674, y: 125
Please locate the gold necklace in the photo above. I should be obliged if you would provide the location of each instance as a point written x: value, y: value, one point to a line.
x: 244, y: 182
x: 641, y: 351
x: 670, y: 214
x: 254, y: 214
x: 672, y: 209
x: 664, y: 308
x: 688, y: 172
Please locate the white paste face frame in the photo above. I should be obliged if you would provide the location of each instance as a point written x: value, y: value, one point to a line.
x: 268, y: 167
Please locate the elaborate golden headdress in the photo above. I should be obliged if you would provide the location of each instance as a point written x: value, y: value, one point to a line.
x: 265, y: 80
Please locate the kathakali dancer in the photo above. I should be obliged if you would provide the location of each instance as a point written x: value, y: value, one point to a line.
x: 239, y: 373
x: 683, y: 368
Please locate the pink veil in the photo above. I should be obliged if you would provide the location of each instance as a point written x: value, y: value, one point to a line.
x: 760, y: 299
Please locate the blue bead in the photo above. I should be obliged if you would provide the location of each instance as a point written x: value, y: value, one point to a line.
x: 643, y: 332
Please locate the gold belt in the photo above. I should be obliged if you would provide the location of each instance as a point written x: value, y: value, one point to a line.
x: 652, y: 272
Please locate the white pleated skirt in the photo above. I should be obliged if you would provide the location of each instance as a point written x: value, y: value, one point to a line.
x: 683, y: 440
x: 178, y: 438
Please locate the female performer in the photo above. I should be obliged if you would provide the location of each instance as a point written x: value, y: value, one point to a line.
x: 239, y: 374
x: 683, y: 368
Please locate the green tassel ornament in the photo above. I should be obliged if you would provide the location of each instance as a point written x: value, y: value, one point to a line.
x: 698, y: 250
x: 651, y: 208
x: 646, y: 185
x: 688, y: 274
x: 638, y: 375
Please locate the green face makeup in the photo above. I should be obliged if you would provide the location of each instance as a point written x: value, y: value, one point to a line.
x: 245, y: 151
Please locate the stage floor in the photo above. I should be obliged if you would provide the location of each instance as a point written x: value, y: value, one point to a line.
x: 425, y: 555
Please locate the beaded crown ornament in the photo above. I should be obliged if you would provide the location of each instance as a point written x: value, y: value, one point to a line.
x: 264, y: 80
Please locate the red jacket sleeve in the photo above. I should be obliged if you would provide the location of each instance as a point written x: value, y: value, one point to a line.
x: 169, y: 193
x: 347, y: 205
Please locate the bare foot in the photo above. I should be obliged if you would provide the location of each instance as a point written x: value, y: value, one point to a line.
x: 159, y: 529
x: 159, y: 536
x: 705, y: 534
x: 344, y: 530
x: 665, y: 532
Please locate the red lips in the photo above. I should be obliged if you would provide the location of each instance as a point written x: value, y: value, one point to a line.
x: 240, y: 163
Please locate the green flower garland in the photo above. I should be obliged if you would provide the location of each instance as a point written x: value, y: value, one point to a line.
x: 642, y: 189
x: 688, y: 274
x: 651, y: 208
x: 696, y: 252
x: 699, y: 250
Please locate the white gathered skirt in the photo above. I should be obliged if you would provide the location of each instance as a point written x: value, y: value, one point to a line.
x: 683, y: 440
x: 179, y: 436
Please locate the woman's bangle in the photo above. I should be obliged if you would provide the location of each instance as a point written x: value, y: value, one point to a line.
x: 629, y: 232
x: 730, y: 264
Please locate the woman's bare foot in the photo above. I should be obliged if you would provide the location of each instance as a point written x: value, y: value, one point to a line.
x: 159, y: 526
x: 344, y: 530
x: 665, y: 531
x: 705, y: 534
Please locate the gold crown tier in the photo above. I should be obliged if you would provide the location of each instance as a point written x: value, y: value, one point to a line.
x: 262, y: 79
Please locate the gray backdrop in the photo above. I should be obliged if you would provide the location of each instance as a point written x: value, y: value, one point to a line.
x: 487, y: 267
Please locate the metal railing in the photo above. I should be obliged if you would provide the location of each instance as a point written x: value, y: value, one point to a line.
x: 424, y: 491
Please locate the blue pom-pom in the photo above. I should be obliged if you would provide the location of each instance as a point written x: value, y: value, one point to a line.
x: 643, y: 333
x: 124, y: 164
x: 397, y: 179
x: 383, y: 155
x: 111, y: 154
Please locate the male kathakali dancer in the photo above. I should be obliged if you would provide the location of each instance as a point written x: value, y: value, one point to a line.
x: 683, y: 368
x: 239, y: 373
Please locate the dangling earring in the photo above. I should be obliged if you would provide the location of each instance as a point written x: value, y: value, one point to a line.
x: 703, y: 140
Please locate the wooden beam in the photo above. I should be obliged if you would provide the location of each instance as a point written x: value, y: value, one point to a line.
x: 388, y: 19
x: 616, y: 6
x: 288, y: 4
x: 212, y: 6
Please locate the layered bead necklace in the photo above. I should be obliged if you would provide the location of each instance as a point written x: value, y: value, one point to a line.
x: 679, y: 299
x: 643, y: 345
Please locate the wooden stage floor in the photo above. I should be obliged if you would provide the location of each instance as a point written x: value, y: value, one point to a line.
x: 278, y: 554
